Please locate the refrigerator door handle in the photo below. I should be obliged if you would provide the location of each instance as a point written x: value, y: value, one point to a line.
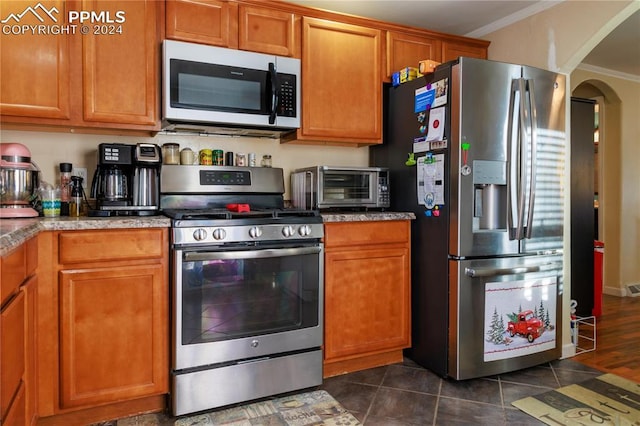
x: 491, y: 272
x: 517, y: 169
x: 533, y: 116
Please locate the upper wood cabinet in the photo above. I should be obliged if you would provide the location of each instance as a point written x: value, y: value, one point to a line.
x: 341, y: 83
x: 234, y: 25
x: 213, y: 22
x: 29, y: 85
x: 269, y: 31
x: 406, y: 50
x: 97, y: 75
x: 453, y: 49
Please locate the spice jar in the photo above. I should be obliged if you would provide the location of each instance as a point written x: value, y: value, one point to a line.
x: 241, y: 159
x: 266, y: 161
x: 171, y: 153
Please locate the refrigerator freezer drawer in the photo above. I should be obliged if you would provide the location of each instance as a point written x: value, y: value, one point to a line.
x: 505, y: 314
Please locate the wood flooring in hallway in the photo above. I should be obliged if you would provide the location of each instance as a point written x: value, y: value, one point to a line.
x: 617, y: 338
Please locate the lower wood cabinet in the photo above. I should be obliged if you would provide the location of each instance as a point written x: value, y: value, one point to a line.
x: 367, y: 294
x: 108, y: 299
x: 18, y: 315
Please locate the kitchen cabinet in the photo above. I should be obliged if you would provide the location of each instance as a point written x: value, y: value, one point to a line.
x: 234, y: 25
x: 367, y: 294
x: 18, y: 335
x: 106, y: 317
x: 106, y: 78
x: 341, y: 83
x: 453, y: 49
x: 407, y: 50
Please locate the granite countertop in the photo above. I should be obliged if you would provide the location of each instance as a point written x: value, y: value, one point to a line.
x: 14, y: 232
x: 365, y: 216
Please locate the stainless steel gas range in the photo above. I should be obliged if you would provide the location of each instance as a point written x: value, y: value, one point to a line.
x: 247, y: 287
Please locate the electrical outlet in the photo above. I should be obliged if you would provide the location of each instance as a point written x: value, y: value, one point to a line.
x: 80, y: 171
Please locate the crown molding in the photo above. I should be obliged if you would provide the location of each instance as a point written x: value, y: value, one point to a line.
x: 608, y: 72
x: 513, y: 18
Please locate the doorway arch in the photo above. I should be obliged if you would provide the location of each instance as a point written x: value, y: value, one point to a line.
x: 610, y: 176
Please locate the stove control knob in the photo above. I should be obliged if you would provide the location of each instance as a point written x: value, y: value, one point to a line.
x: 255, y: 232
x: 304, y: 231
x: 287, y: 231
x: 219, y: 234
x: 199, y: 234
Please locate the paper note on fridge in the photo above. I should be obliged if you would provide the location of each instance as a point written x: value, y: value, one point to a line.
x: 430, y: 178
x: 436, y: 125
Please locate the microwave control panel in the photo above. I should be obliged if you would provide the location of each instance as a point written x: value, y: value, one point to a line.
x: 287, y: 106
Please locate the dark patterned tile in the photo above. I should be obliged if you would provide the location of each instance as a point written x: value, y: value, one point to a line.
x: 413, y: 379
x: 372, y: 376
x: 401, y: 406
x: 461, y: 412
x: 355, y: 397
x: 569, y: 377
x: 514, y: 391
x: 539, y: 376
x: 385, y: 421
x: 569, y: 364
x: 479, y: 390
x: 520, y: 418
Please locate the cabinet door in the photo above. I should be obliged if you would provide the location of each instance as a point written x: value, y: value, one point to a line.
x: 268, y: 31
x: 120, y: 70
x: 367, y: 301
x: 34, y: 75
x: 213, y: 22
x: 406, y: 50
x: 341, y: 83
x: 452, y: 50
x: 11, y: 352
x: 113, y: 334
x: 29, y: 289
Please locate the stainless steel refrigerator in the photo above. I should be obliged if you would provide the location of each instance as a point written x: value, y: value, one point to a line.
x: 477, y: 151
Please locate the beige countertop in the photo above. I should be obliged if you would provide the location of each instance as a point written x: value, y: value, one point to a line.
x: 329, y: 217
x: 14, y: 232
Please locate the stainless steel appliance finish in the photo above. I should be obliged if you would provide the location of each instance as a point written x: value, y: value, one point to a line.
x: 488, y: 198
x: 210, y: 89
x: 247, y: 286
x: 325, y: 187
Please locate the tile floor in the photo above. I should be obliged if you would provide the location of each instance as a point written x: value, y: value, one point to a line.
x: 407, y: 394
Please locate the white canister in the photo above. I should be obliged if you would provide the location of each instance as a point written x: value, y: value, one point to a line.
x: 187, y: 157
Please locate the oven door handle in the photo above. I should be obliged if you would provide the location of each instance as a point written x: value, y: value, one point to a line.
x: 253, y: 254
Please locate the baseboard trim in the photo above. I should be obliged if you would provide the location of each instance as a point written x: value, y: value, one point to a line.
x: 615, y: 291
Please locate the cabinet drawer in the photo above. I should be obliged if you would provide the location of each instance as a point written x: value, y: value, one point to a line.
x: 366, y: 233
x: 106, y: 245
x: 11, y: 351
x: 13, y: 272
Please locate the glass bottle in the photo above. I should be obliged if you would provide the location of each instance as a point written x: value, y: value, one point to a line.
x: 65, y: 188
x: 266, y: 161
x: 76, y: 208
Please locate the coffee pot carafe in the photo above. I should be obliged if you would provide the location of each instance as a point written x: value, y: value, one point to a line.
x: 146, y: 176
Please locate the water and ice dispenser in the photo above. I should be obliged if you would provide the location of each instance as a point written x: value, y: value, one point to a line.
x: 490, y: 195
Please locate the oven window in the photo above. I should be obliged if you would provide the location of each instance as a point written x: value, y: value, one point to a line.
x: 232, y: 298
x: 346, y: 186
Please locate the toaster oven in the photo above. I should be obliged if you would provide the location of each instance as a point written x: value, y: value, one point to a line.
x: 330, y: 187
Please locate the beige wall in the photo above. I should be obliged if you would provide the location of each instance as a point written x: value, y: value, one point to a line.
x: 48, y: 150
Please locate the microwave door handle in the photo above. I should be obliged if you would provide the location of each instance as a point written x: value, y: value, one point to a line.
x: 274, y: 92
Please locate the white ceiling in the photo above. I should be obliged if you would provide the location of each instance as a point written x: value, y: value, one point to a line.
x: 618, y: 52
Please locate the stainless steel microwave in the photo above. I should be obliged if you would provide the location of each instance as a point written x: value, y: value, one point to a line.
x: 211, y: 87
x: 325, y: 187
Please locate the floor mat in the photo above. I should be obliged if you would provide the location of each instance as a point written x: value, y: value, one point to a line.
x: 312, y: 408
x: 603, y: 400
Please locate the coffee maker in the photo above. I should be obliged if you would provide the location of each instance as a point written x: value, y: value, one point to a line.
x: 126, y: 181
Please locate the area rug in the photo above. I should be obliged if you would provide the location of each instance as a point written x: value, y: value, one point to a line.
x: 315, y: 408
x: 603, y: 400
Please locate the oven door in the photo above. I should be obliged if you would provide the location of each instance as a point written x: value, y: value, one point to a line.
x: 235, y: 304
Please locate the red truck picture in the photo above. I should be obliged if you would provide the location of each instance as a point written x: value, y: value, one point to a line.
x: 527, y: 325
